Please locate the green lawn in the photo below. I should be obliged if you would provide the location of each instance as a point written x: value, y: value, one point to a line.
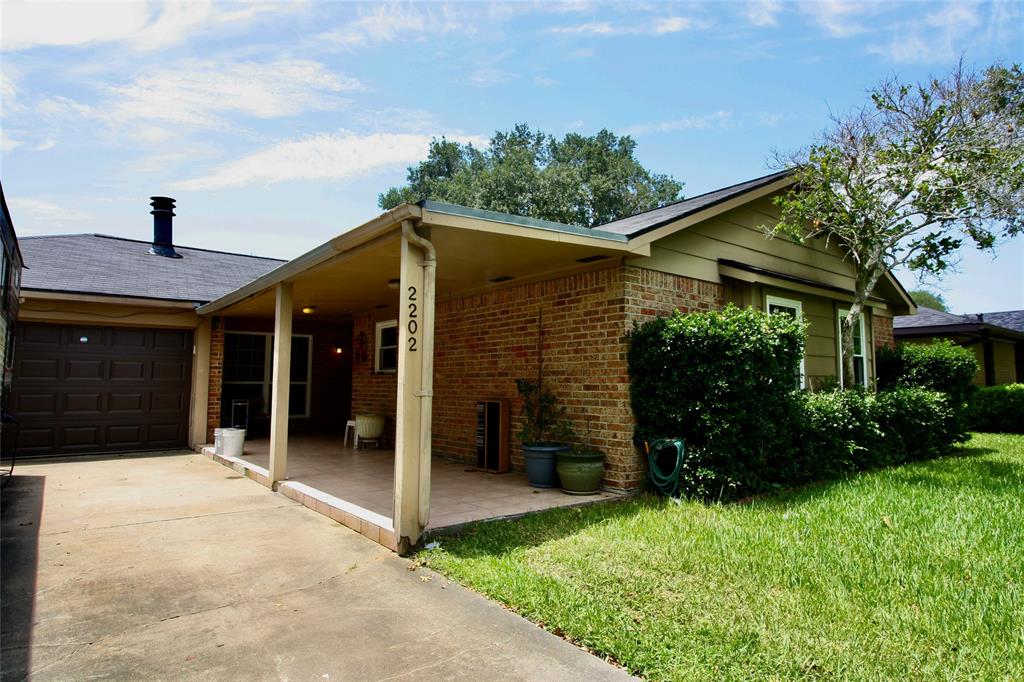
x: 915, y: 572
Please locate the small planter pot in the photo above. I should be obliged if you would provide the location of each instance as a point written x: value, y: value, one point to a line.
x: 540, y: 464
x: 580, y: 471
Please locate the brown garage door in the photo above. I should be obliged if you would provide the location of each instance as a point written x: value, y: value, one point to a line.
x: 86, y: 390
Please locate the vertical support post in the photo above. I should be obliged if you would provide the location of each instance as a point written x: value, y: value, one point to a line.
x: 281, y: 383
x: 200, y: 383
x: 407, y: 417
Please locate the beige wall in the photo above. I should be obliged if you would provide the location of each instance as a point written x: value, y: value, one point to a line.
x: 1005, y: 365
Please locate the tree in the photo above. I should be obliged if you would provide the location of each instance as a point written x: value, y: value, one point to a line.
x: 578, y: 180
x: 911, y: 177
x: 929, y: 299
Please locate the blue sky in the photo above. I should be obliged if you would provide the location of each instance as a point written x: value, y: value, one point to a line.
x: 275, y: 125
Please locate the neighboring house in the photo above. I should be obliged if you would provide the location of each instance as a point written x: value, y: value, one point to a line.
x: 371, y: 331
x: 10, y: 287
x: 106, y: 336
x: 997, y: 339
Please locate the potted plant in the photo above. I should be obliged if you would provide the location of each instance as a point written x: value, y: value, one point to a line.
x: 544, y: 433
x: 581, y: 468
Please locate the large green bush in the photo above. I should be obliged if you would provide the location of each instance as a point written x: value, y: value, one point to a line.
x: 721, y: 380
x: 938, y: 366
x: 724, y: 383
x: 998, y: 409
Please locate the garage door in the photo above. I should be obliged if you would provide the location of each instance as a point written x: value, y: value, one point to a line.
x: 87, y: 390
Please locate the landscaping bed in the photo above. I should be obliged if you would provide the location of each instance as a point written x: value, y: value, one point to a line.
x: 910, y: 572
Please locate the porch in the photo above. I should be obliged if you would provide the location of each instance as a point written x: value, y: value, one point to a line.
x: 341, y: 482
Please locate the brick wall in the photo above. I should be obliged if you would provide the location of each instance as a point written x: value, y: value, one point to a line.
x: 216, y: 377
x: 372, y: 393
x: 881, y: 331
x: 486, y: 341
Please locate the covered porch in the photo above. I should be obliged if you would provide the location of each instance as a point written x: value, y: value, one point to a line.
x: 368, y: 297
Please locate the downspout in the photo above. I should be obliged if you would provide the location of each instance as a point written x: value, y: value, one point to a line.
x: 426, y: 393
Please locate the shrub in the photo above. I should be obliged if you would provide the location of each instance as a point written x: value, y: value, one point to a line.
x: 913, y: 424
x: 998, y: 409
x: 833, y: 433
x: 939, y: 366
x: 721, y: 381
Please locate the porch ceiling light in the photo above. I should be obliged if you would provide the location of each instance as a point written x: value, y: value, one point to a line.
x: 501, y: 278
x: 309, y: 310
x: 393, y: 283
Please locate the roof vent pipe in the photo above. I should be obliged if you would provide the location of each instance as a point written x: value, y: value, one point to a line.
x: 163, y: 229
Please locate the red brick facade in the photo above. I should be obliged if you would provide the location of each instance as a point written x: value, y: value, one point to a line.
x: 372, y: 393
x: 216, y: 377
x: 486, y: 341
x: 881, y: 331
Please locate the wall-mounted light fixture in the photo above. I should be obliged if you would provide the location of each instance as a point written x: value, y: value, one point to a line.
x: 338, y: 350
x: 309, y: 310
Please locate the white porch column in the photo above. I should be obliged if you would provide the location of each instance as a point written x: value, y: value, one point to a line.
x: 281, y: 379
x: 407, y: 417
x: 200, y: 383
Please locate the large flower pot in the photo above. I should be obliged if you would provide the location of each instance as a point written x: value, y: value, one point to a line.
x: 580, y: 471
x: 540, y: 464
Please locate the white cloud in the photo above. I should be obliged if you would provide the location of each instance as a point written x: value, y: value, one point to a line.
x: 671, y: 25
x: 938, y: 36
x: 7, y: 143
x: 383, y: 23
x: 593, y: 28
x: 840, y: 18
x: 763, y: 12
x: 46, y: 146
x: 8, y: 89
x: 489, y: 76
x: 320, y: 157
x: 718, y: 119
x: 141, y: 25
x: 39, y: 216
x: 544, y: 81
x: 202, y: 94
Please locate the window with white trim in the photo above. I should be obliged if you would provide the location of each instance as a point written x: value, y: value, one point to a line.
x: 386, y: 347
x: 860, y: 366
x: 777, y: 305
x: 249, y: 369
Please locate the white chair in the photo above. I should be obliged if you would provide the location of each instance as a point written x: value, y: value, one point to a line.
x: 350, y: 427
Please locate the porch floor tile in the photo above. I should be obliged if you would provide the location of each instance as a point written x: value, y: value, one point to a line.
x: 459, y: 493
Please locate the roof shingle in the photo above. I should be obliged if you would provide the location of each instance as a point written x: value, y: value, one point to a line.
x: 113, y: 266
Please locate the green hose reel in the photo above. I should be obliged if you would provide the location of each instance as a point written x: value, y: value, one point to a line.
x: 665, y: 475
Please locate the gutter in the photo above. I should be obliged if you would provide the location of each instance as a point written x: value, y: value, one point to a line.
x: 426, y: 392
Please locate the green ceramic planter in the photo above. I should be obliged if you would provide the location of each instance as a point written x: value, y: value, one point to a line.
x: 580, y: 471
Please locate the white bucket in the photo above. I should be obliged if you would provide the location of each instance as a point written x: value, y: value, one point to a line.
x: 218, y: 441
x: 234, y: 442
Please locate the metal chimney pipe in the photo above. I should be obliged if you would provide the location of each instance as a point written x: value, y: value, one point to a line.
x: 163, y: 228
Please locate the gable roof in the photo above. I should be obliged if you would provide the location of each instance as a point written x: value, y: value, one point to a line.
x: 113, y: 266
x: 929, y: 321
x: 640, y: 223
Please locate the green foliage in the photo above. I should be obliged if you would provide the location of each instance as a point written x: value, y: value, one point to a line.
x: 721, y: 381
x: 929, y: 299
x: 939, y: 366
x: 544, y: 421
x: 578, y: 180
x: 998, y: 409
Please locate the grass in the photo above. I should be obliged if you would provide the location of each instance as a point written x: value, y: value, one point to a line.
x: 915, y: 572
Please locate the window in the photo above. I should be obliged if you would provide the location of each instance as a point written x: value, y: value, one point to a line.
x: 860, y: 374
x: 249, y: 367
x: 786, y: 306
x: 386, y: 356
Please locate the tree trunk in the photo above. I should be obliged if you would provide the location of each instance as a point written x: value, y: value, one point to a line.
x: 864, y: 283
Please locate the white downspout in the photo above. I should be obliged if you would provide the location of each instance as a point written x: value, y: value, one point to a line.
x: 426, y: 393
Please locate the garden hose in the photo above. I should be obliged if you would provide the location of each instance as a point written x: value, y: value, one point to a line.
x: 666, y: 482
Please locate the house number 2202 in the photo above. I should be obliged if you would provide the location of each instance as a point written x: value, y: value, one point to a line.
x: 413, y: 325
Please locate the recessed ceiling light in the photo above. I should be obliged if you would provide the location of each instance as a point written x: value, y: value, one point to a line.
x: 309, y: 309
x: 393, y: 283
x: 501, y: 278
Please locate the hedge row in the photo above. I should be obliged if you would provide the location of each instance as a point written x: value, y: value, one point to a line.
x: 724, y: 382
x: 999, y: 409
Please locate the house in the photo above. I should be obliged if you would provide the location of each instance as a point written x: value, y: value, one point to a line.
x: 10, y: 288
x: 997, y: 339
x: 428, y: 309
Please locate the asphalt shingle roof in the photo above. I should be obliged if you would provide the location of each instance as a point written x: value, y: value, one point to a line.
x: 101, y: 264
x: 929, y: 317
x: 649, y: 220
x: 1011, y: 319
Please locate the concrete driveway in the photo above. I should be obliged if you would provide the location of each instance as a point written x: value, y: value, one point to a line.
x: 174, y: 567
